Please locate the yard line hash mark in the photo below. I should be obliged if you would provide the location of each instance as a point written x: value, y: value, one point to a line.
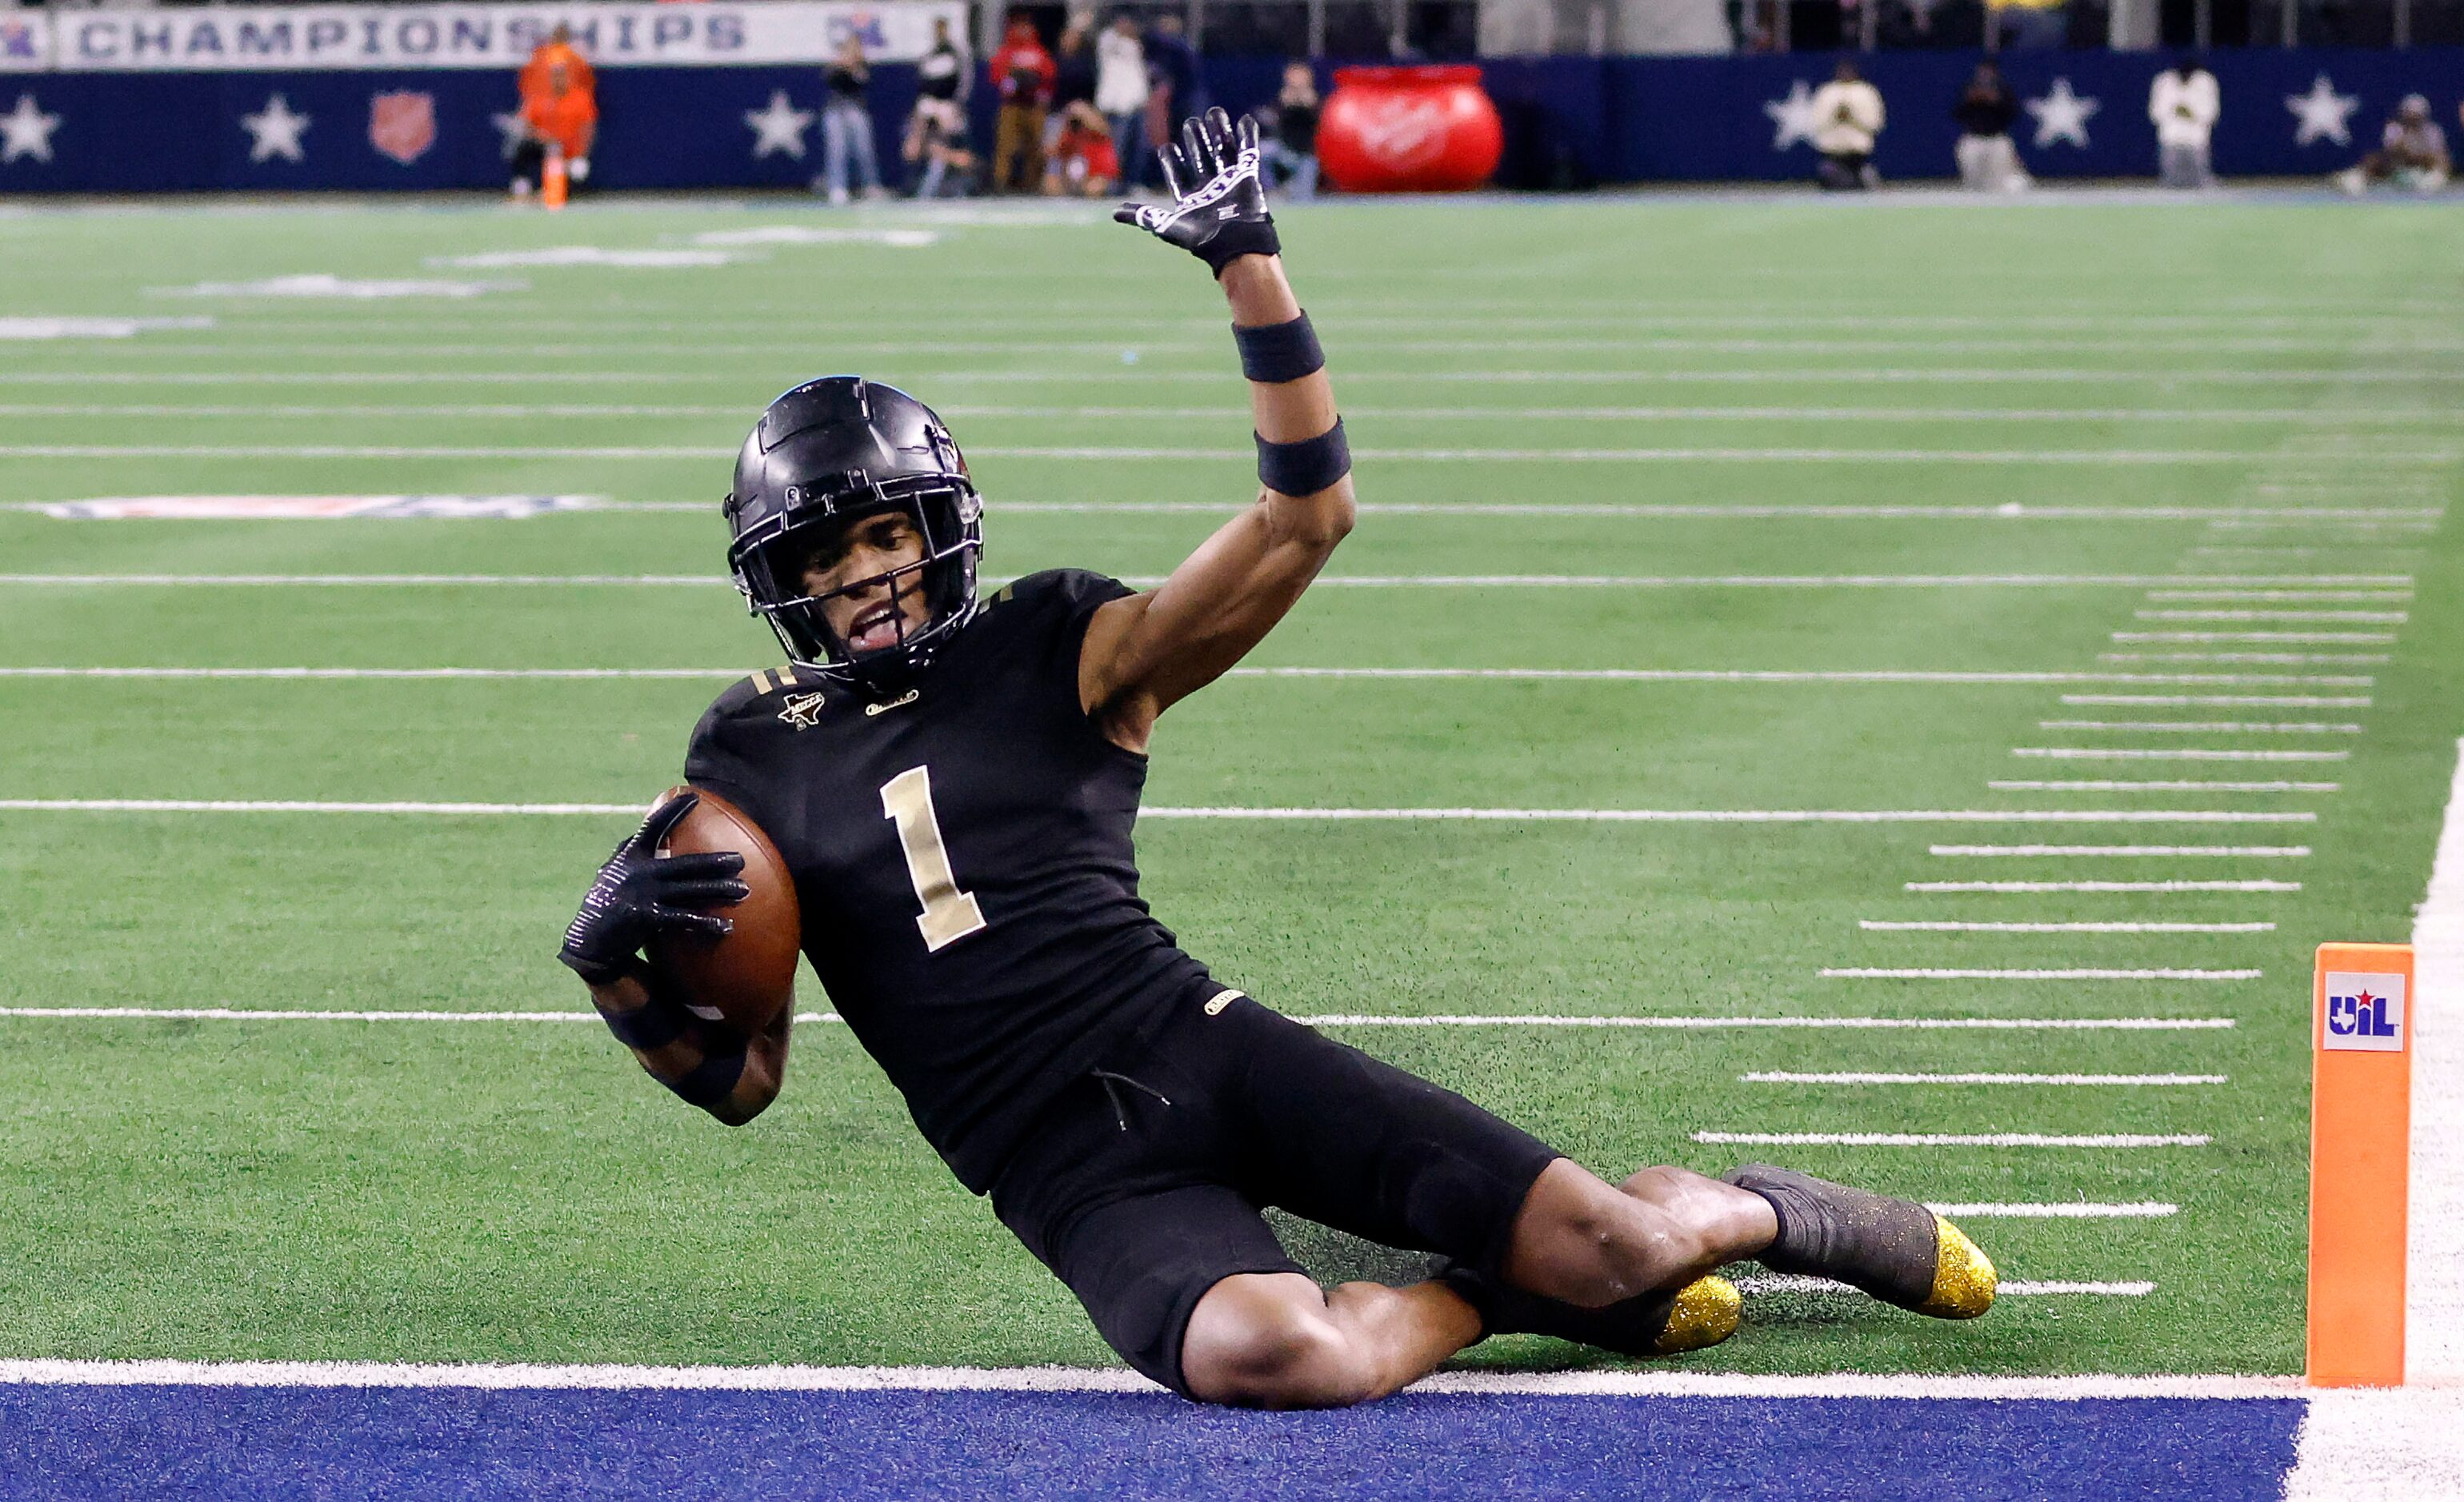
x: 2100, y: 886
x: 1783, y: 1077
x: 2256, y: 852
x: 1952, y: 1140
x: 2178, y: 754
x: 2107, y: 785
x: 2081, y: 974
x: 1952, y: 925
x: 2018, y: 1288
x: 2205, y: 727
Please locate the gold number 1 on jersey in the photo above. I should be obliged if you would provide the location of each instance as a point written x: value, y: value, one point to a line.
x: 949, y: 915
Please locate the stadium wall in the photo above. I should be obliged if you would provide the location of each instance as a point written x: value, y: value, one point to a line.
x: 1570, y: 121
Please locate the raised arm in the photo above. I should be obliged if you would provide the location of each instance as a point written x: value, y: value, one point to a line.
x: 1147, y: 652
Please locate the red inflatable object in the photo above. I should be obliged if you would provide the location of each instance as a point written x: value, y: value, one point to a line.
x: 1409, y: 130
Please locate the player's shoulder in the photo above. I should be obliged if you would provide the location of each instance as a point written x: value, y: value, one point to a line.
x: 1060, y: 591
x: 765, y: 694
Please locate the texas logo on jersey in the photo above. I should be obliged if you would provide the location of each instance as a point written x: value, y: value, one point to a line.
x: 403, y: 125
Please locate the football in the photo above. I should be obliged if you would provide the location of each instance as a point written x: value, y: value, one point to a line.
x: 745, y: 978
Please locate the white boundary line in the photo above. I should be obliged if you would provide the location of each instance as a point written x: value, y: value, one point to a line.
x: 2435, y: 1333
x: 2102, y: 886
x: 1949, y: 925
x: 1952, y: 1140
x: 1317, y: 1020
x: 1399, y: 814
x: 1870, y: 973
x: 1782, y: 1076
x: 1104, y: 1379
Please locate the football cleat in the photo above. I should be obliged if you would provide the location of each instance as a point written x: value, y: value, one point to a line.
x: 1703, y: 1313
x: 1897, y: 1251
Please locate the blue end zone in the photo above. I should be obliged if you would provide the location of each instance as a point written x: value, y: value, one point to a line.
x: 70, y: 1442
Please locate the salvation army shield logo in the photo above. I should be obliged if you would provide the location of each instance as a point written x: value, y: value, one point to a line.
x: 402, y: 125
x: 1404, y: 134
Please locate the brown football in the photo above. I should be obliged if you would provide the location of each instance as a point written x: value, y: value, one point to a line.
x: 746, y: 978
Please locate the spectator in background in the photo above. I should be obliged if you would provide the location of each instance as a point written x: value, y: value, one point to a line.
x: 1081, y: 161
x: 1121, y: 92
x: 561, y: 118
x: 2024, y: 24
x: 847, y: 124
x: 1847, y: 116
x: 1988, y: 161
x: 2183, y: 103
x: 1023, y: 74
x: 940, y: 83
x: 1173, y: 93
x: 1074, y: 78
x: 1291, y: 152
x: 2412, y: 153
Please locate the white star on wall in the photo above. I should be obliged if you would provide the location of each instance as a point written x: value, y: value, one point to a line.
x: 514, y: 128
x: 2062, y: 115
x: 26, y: 131
x: 1793, y: 116
x: 780, y: 127
x: 276, y: 130
x: 2323, y: 114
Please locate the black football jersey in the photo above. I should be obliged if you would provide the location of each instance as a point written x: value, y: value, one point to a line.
x: 962, y: 856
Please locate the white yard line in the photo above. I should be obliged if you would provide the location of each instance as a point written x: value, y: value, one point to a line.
x: 1404, y: 815
x: 2223, y: 701
x: 2105, y: 785
x: 705, y: 453
x: 2058, y: 1209
x: 2014, y: 1288
x: 1646, y: 675
x: 2283, y: 597
x: 1784, y: 1076
x: 1961, y: 926
x: 2279, y: 638
x: 2100, y: 886
x: 2389, y: 618
x: 1872, y: 973
x: 1356, y: 580
x: 2277, y: 659
x: 2179, y: 753
x: 2203, y: 727
x: 2434, y: 1295
x: 1952, y: 1140
x: 1685, y: 1024
x: 2256, y: 852
x: 1664, y: 1383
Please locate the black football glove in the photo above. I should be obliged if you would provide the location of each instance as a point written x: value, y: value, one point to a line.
x: 1219, y: 207
x: 640, y: 893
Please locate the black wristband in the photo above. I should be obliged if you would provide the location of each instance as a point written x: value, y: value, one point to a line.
x: 711, y: 1080
x: 1304, y: 468
x: 1279, y: 351
x: 655, y: 1024
x: 1237, y: 238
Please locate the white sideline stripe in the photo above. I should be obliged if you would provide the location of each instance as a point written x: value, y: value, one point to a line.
x: 510, y: 1376
x: 2101, y: 785
x: 2058, y: 1209
x: 2280, y: 637
x: 1672, y: 675
x: 1354, y: 580
x: 1782, y: 1076
x: 2226, y: 700
x: 2126, y: 754
x: 1949, y: 925
x: 2100, y: 886
x: 2434, y: 1333
x: 2021, y: 1288
x: 2083, y: 973
x: 2382, y: 1444
x: 703, y: 453
x: 2389, y: 618
x: 1323, y: 1020
x: 1477, y: 815
x: 2263, y: 852
x: 1949, y: 1140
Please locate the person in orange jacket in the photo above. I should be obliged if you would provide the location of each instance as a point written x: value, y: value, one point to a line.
x: 558, y: 49
x: 561, y: 119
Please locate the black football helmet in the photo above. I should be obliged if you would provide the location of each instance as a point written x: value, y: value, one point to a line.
x: 827, y: 452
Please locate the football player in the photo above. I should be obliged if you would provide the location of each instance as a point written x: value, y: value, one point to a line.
x: 953, y: 781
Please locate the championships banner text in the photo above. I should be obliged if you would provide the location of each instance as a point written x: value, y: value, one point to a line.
x: 292, y: 39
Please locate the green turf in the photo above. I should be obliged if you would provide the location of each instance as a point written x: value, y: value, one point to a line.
x: 500, y: 1191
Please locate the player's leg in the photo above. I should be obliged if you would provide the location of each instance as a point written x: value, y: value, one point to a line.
x: 1278, y: 1341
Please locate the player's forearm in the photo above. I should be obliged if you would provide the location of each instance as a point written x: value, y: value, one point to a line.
x: 731, y: 1081
x: 1288, y: 411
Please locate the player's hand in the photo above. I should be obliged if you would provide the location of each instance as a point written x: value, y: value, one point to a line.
x: 640, y: 892
x: 1219, y: 207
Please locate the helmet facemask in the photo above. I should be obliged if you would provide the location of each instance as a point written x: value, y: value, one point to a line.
x: 769, y: 567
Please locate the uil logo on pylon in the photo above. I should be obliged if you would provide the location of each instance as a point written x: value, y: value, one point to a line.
x: 402, y: 125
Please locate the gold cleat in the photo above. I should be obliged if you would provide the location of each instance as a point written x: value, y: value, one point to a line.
x: 1705, y: 1312
x: 1964, y: 1278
